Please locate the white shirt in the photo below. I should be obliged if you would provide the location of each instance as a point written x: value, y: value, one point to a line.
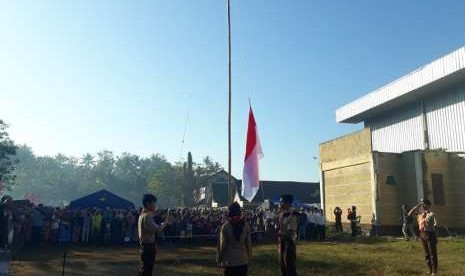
x: 316, y: 218
x: 269, y: 215
x: 321, y: 220
x: 311, y: 218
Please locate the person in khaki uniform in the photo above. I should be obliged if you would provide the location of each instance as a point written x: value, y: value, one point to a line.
x: 426, y: 224
x: 148, y: 230
x: 287, y: 235
x: 234, y: 248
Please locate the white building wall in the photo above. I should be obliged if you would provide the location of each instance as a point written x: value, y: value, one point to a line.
x: 398, y: 131
x: 445, y: 116
x: 402, y: 129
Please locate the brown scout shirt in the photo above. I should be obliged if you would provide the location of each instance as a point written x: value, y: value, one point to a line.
x: 148, y: 228
x: 287, y: 223
x: 233, y: 252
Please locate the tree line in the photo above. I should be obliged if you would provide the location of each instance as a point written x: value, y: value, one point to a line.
x: 56, y: 180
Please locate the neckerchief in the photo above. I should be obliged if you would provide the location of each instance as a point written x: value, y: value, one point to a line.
x: 235, y: 219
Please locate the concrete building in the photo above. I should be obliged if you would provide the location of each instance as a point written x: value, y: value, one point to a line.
x: 411, y: 147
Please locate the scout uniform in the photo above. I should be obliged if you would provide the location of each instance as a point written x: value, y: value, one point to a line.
x: 287, y: 235
x: 427, y: 223
x: 338, y: 215
x: 147, y: 230
x: 352, y: 216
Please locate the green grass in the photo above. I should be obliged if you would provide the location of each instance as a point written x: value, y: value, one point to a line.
x: 364, y: 256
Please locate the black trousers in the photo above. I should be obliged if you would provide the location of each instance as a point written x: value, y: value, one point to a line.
x: 236, y: 270
x: 338, y: 226
x: 147, y: 259
x: 312, y: 231
x: 353, y: 228
x: 429, y: 241
x: 322, y: 232
x: 36, y: 235
x: 288, y: 258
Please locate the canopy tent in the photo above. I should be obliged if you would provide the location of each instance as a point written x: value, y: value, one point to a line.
x: 101, y: 199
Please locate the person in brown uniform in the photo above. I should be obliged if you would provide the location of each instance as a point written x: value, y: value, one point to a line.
x: 338, y: 215
x: 148, y: 230
x: 427, y: 223
x: 235, y: 249
x: 287, y: 235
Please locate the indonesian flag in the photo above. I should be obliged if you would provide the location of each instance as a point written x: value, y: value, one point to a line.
x: 253, y: 153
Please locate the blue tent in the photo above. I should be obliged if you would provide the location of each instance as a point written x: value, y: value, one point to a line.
x: 101, y: 199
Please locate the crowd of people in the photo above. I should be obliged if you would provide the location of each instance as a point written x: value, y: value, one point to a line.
x: 34, y: 225
x: 23, y: 223
x: 26, y: 224
x: 187, y: 224
x: 311, y: 224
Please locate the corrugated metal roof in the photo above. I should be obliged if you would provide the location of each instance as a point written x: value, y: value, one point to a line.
x: 364, y: 107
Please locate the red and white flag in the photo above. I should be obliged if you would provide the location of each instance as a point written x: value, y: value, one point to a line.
x: 253, y: 153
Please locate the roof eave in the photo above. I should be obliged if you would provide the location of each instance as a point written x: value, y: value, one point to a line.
x: 446, y: 68
x: 423, y: 92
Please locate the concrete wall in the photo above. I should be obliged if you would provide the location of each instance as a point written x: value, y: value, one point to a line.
x: 346, y: 165
x: 452, y: 167
x: 354, y: 175
x: 455, y: 195
x: 404, y: 191
x: 437, y: 162
x: 401, y: 169
x: 349, y: 186
x: 348, y: 146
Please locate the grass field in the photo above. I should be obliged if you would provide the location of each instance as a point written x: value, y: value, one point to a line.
x: 363, y: 256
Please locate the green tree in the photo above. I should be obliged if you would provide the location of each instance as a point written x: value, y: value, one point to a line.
x: 204, y: 172
x: 105, y: 168
x: 55, y: 180
x: 162, y: 182
x: 87, y: 161
x: 7, y: 160
x: 86, y: 172
x: 129, y: 179
x: 25, y: 170
x: 188, y: 181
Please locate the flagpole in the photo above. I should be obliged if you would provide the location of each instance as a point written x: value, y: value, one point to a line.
x: 230, y: 191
